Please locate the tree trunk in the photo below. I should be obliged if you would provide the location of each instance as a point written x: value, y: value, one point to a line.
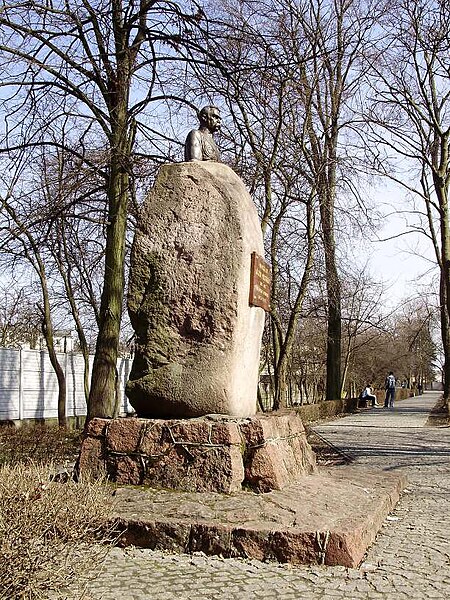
x: 102, y: 398
x: 47, y: 331
x: 440, y: 180
x: 62, y: 395
x: 333, y: 385
x: 347, y: 359
x: 445, y: 335
x: 281, y: 388
x: 333, y: 350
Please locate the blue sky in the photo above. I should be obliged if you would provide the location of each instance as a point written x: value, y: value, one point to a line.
x: 401, y: 257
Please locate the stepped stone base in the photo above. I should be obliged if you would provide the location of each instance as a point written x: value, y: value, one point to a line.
x: 208, y: 454
x: 330, y: 517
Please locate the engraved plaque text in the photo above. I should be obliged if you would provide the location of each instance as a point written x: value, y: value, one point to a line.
x: 260, y: 282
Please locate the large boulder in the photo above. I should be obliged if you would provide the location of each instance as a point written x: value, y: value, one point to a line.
x: 197, y: 338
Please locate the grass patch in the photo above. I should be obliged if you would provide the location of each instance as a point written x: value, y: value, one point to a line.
x: 38, y: 443
x: 52, y: 534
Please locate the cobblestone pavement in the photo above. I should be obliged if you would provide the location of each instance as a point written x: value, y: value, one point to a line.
x: 410, y: 558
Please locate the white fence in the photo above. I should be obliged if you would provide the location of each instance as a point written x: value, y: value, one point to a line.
x: 29, y: 388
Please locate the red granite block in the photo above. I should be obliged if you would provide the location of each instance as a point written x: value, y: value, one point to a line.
x: 226, y: 433
x: 191, y: 468
x: 124, y: 469
x: 97, y: 427
x: 92, y: 458
x: 124, y: 435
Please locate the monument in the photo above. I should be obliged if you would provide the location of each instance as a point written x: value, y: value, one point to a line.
x: 198, y: 291
x: 197, y: 337
x: 200, y: 144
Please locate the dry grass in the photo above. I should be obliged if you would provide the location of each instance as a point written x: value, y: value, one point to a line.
x: 439, y: 415
x: 38, y: 443
x: 49, y: 531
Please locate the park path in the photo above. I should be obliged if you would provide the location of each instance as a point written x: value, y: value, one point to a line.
x: 410, y: 558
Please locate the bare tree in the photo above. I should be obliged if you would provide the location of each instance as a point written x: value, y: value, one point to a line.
x: 327, y: 41
x: 410, y: 118
x: 363, y: 321
x: 291, y: 86
x: 416, y: 330
x: 18, y: 324
x: 94, y: 65
x: 260, y: 143
x: 74, y: 240
x: 21, y: 242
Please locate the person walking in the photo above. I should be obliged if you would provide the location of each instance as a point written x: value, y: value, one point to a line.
x: 389, y: 386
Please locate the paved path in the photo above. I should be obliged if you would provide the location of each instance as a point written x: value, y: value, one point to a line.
x: 410, y: 558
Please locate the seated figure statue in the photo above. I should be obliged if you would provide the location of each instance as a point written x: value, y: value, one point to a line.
x: 200, y: 144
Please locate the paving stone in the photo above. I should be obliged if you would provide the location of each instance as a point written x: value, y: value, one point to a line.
x: 413, y: 552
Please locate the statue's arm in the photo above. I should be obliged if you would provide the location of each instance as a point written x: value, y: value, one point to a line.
x: 193, y: 147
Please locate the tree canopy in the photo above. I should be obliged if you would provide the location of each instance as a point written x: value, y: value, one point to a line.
x: 319, y: 98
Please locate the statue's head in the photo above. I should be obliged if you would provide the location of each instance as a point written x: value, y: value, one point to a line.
x: 209, y: 117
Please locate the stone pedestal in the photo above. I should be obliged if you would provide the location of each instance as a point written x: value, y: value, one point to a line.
x: 327, y: 518
x: 208, y: 454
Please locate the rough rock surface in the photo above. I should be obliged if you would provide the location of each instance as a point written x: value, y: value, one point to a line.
x: 212, y: 453
x: 326, y: 518
x: 197, y: 339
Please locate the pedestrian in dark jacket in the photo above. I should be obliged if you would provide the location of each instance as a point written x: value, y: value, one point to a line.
x: 389, y: 386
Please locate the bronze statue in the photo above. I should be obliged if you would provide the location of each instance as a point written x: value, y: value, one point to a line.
x: 200, y: 144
